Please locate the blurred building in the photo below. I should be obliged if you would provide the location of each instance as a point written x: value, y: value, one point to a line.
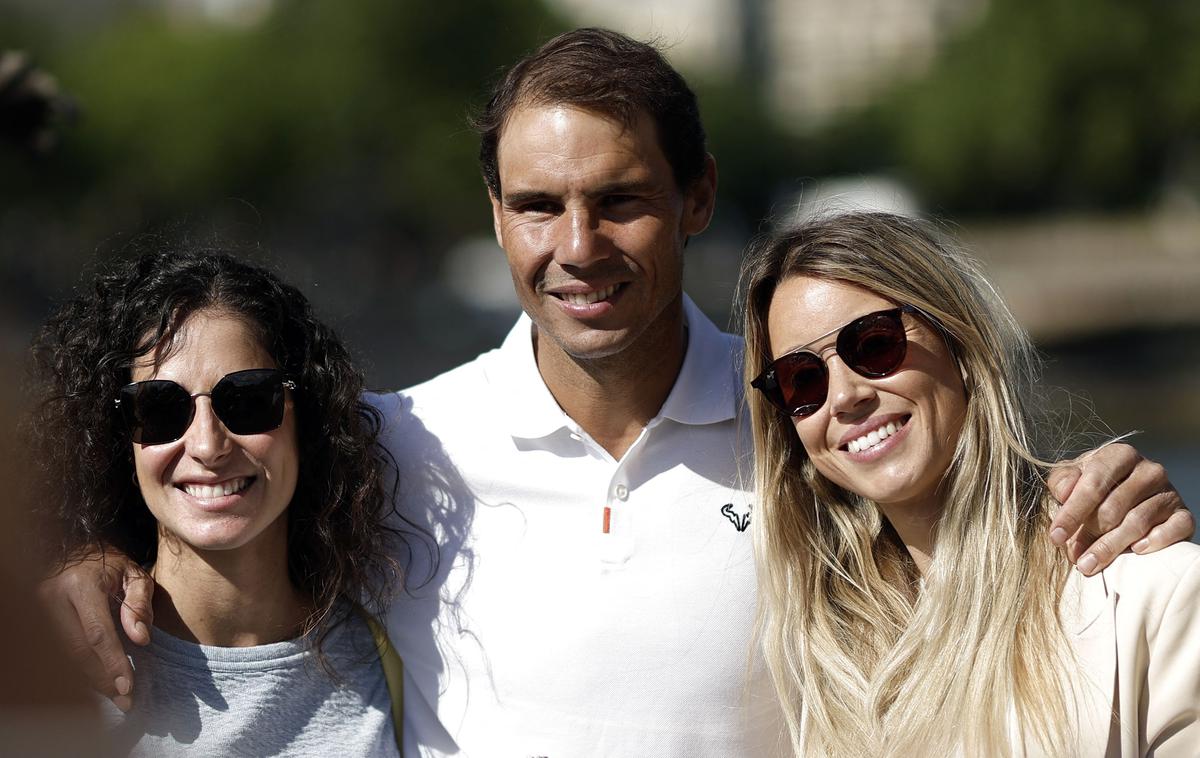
x: 830, y: 55
x: 700, y: 36
x: 815, y: 58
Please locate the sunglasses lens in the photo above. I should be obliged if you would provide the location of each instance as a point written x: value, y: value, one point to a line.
x: 875, y: 344
x: 803, y: 383
x: 155, y: 411
x: 250, y: 402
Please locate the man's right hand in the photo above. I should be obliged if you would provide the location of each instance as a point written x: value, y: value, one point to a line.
x: 78, y: 599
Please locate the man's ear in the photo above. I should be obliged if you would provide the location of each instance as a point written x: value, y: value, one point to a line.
x: 496, y: 215
x: 700, y: 199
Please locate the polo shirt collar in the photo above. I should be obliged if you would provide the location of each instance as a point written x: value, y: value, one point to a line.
x: 706, y: 391
x: 530, y: 409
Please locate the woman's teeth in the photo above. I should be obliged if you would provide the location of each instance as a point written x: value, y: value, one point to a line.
x: 587, y: 298
x: 872, y: 439
x: 211, y: 491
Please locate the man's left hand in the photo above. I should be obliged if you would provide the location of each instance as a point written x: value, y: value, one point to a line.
x: 1114, y: 499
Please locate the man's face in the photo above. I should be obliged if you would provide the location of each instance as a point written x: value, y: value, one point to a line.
x: 593, y: 225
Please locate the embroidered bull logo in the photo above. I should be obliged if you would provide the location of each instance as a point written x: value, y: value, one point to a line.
x: 740, y: 518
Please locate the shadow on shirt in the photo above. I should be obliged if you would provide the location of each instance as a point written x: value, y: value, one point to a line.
x: 434, y: 497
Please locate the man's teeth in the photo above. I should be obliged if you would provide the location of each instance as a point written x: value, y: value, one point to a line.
x: 872, y: 439
x: 587, y: 298
x: 210, y: 491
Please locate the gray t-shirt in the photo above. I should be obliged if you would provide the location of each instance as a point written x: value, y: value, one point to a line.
x: 199, y: 700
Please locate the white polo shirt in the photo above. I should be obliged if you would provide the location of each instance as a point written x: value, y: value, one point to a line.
x: 583, y: 605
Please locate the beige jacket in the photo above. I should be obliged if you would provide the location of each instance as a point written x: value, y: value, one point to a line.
x: 1135, y: 628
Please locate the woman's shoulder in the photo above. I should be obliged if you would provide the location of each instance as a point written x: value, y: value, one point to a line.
x: 1145, y: 643
x: 201, y: 700
x: 1153, y: 585
x: 1154, y: 572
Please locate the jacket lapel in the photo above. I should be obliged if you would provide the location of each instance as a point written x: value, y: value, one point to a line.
x: 1089, y: 618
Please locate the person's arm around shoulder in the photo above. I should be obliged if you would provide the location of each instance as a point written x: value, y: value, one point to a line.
x: 1113, y: 500
x: 77, y: 600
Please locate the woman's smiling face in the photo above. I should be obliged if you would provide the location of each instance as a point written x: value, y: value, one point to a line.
x: 888, y: 439
x: 212, y: 489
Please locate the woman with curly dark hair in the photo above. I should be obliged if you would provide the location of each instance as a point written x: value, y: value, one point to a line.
x: 196, y: 416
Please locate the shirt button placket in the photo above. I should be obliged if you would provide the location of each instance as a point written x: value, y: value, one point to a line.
x: 619, y: 537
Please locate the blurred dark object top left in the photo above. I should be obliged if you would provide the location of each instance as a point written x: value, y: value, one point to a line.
x: 31, y: 105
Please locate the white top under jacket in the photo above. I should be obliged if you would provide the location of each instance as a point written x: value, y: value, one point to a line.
x: 541, y: 635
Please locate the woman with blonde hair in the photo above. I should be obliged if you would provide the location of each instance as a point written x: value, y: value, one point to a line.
x: 910, y: 602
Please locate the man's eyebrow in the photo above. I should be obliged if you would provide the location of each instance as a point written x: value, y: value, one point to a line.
x: 520, y: 197
x: 622, y: 187
x: 619, y: 187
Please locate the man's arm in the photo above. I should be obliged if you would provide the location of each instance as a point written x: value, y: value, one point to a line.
x: 1113, y: 499
x: 78, y: 601
x: 1112, y: 492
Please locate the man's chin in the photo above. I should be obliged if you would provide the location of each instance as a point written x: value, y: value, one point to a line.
x: 582, y: 342
x: 597, y: 345
x: 617, y: 333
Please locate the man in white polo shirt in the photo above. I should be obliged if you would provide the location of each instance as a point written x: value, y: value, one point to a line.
x: 601, y: 599
x: 590, y: 601
x: 594, y: 592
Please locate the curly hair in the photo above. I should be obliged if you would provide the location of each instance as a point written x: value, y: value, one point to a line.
x: 339, y: 538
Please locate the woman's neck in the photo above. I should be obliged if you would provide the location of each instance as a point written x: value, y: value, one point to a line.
x: 915, y: 524
x: 227, y: 598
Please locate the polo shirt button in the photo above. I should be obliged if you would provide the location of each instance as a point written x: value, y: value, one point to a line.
x: 622, y: 492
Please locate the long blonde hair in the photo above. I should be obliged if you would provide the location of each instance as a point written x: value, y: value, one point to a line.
x: 868, y: 657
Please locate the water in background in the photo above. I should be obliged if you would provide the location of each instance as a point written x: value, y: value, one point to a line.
x: 1183, y: 463
x: 1146, y: 380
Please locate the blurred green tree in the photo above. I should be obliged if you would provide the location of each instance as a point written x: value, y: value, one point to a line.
x: 1045, y: 103
x: 758, y: 160
x: 354, y: 108
x: 335, y: 133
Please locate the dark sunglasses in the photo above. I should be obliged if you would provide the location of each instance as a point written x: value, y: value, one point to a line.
x: 873, y: 346
x: 247, y: 402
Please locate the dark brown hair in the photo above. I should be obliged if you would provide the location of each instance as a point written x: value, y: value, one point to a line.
x: 341, y: 520
x: 606, y: 72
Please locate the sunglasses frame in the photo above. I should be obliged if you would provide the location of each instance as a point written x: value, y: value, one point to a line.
x: 285, y: 383
x: 767, y: 384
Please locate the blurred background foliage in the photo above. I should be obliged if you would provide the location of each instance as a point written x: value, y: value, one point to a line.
x: 352, y: 116
x: 353, y: 108
x: 333, y: 138
x: 1045, y: 105
x: 335, y: 134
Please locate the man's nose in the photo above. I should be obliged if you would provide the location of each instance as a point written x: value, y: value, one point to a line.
x: 581, y: 242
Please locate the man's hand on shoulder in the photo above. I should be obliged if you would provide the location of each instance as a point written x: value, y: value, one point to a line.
x: 78, y: 599
x: 1114, y: 499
